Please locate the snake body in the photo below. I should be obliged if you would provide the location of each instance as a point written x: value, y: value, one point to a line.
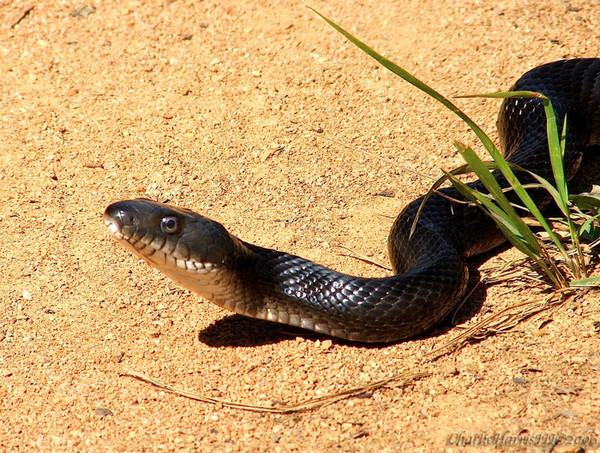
x: 430, y: 266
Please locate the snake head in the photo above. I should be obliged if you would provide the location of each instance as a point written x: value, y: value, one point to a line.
x: 189, y: 248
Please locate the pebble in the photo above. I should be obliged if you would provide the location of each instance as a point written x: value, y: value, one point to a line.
x: 102, y: 412
x: 326, y: 344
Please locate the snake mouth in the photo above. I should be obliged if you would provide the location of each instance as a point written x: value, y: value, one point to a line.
x: 114, y: 229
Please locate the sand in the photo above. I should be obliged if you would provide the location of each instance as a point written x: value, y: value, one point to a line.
x: 260, y: 116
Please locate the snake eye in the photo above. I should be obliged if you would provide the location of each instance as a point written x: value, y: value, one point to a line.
x: 169, y: 225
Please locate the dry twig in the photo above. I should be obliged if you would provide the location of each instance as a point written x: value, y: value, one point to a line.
x: 310, y: 404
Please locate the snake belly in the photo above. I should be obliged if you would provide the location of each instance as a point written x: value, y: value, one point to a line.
x: 430, y: 266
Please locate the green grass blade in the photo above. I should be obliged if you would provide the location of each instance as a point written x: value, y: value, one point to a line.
x: 556, y: 148
x: 509, y: 230
x: 546, y: 185
x: 487, y: 178
x: 586, y: 282
x: 588, y: 231
x: 393, y: 67
x: 589, y: 201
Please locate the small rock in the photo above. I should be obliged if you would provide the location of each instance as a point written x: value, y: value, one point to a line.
x: 83, y: 11
x: 102, y: 412
x: 386, y: 193
x: 326, y: 344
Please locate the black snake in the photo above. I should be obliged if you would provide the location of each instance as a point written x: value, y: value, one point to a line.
x: 430, y: 266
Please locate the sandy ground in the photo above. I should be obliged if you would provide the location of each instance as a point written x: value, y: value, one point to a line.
x: 257, y: 114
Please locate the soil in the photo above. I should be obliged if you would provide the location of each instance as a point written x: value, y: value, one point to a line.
x: 260, y: 116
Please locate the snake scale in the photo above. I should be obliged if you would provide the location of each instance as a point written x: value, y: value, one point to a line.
x: 430, y: 266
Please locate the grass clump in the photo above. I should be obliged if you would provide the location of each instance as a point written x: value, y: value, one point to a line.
x: 571, y: 268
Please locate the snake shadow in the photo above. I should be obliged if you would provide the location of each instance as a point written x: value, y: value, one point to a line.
x: 241, y: 331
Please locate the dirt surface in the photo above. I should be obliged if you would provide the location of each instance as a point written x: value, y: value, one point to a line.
x: 258, y: 115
